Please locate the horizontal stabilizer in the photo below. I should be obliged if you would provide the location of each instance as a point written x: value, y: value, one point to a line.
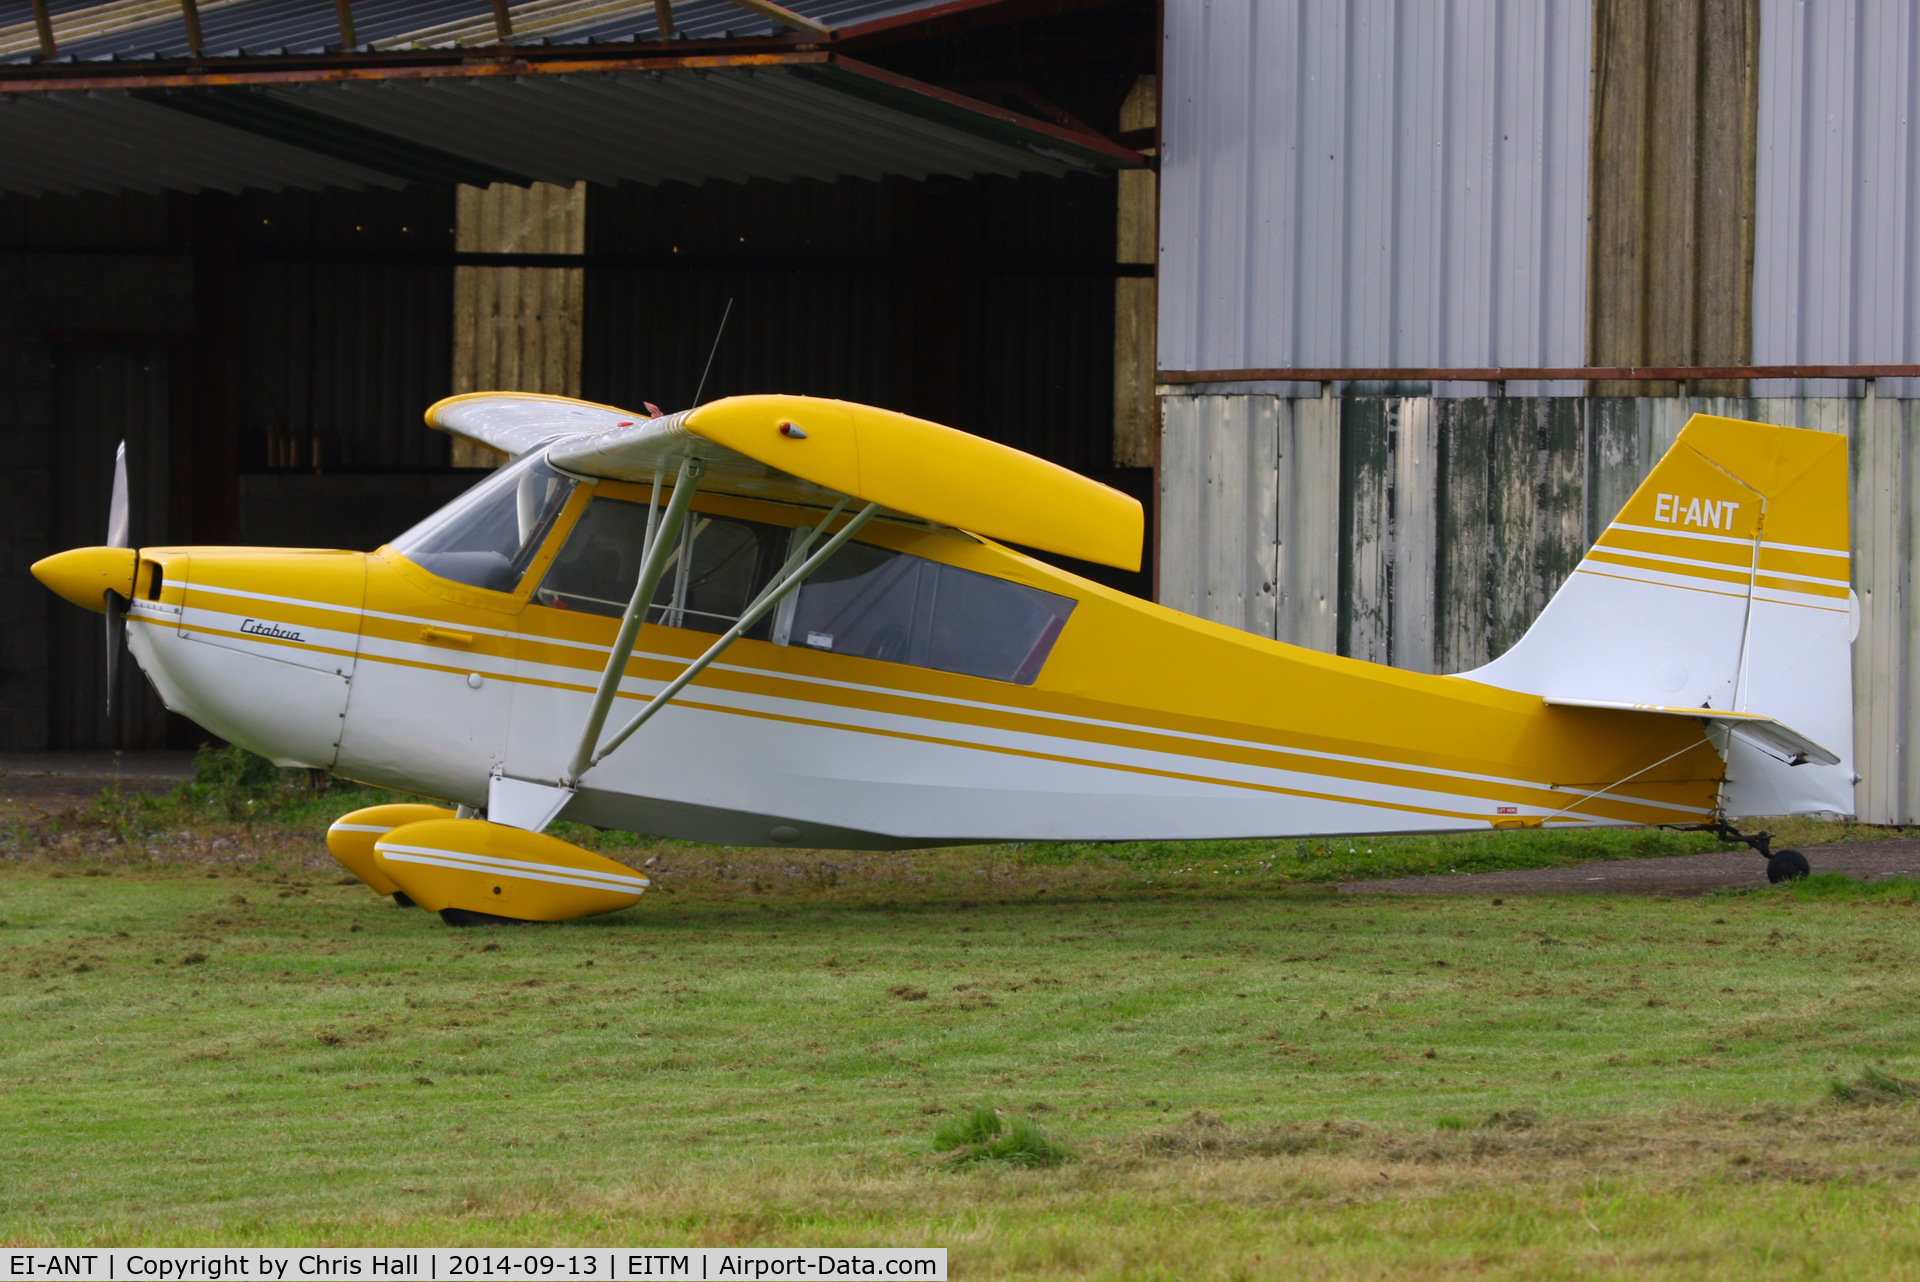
x: 1763, y: 730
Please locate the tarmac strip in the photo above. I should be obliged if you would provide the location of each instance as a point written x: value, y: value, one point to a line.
x: 1674, y: 875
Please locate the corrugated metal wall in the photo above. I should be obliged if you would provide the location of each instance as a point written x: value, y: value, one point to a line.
x: 986, y: 304
x: 343, y: 340
x: 1372, y: 183
x: 1837, y: 254
x: 89, y: 290
x: 103, y: 394
x: 1428, y: 533
x: 1249, y: 493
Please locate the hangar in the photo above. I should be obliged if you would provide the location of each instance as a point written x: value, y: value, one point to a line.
x: 256, y: 238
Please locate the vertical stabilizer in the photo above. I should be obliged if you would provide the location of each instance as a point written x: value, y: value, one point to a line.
x: 1724, y: 584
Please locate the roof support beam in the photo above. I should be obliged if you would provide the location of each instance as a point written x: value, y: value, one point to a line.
x: 343, y: 14
x: 785, y: 16
x: 43, y: 23
x: 190, y: 11
x: 663, y: 14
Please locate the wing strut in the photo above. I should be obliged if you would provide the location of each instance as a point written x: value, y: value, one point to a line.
x: 653, y: 564
x: 790, y: 577
x: 591, y: 752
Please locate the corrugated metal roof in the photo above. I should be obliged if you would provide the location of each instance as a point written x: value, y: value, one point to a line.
x: 810, y: 118
x: 1836, y: 270
x: 138, y: 29
x: 1363, y: 183
x: 113, y: 141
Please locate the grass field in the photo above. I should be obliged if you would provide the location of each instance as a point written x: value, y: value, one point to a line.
x: 1249, y: 1076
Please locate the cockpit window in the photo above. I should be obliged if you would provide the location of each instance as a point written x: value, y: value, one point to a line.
x: 487, y: 537
x: 877, y: 604
x: 712, y: 574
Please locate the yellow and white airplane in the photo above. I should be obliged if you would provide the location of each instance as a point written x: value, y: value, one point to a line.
x: 777, y: 620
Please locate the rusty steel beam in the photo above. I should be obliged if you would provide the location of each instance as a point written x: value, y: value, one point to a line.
x: 516, y: 65
x: 1093, y: 141
x: 502, y: 21
x: 663, y: 14
x: 343, y: 14
x: 1553, y: 374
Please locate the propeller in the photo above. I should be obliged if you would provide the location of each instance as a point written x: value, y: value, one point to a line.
x: 118, y: 536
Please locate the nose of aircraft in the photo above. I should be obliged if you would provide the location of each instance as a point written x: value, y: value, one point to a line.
x: 85, y: 575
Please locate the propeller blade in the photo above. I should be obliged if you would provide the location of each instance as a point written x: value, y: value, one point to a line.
x: 116, y: 637
x: 119, y: 527
x: 119, y: 535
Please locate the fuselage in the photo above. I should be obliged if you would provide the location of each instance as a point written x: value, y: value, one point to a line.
x: 1137, y: 723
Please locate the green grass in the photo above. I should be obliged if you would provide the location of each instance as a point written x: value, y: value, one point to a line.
x: 1268, y: 1081
x: 1157, y: 1060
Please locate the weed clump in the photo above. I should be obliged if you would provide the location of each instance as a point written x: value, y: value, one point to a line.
x: 1512, y: 1119
x: 982, y: 1135
x: 1875, y: 1086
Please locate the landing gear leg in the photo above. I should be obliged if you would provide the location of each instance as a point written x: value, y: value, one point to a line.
x: 1782, y: 865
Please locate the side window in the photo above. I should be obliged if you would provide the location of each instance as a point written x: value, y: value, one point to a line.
x: 877, y: 604
x: 711, y: 576
x: 487, y: 537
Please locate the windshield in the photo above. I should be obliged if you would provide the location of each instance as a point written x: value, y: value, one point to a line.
x: 486, y: 537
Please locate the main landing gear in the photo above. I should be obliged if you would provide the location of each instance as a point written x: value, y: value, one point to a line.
x: 1782, y: 865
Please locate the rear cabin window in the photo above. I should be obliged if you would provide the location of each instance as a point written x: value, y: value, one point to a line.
x: 877, y: 604
x: 713, y: 573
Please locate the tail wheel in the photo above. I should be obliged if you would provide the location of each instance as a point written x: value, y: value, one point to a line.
x: 1787, y: 865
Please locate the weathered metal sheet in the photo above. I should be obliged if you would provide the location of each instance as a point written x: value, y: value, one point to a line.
x: 1250, y: 494
x: 1366, y: 524
x: 1882, y: 460
x: 1464, y: 557
x: 1358, y: 182
x: 1416, y: 514
x: 1837, y: 250
x: 1218, y: 520
x: 1513, y: 493
x: 1307, y: 490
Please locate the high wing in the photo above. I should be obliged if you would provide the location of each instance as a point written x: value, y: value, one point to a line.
x: 801, y: 449
x: 1789, y: 744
